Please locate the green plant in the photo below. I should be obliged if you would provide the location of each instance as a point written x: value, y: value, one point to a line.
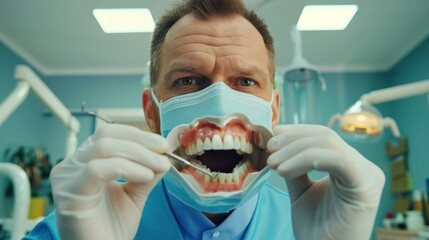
x: 34, y: 162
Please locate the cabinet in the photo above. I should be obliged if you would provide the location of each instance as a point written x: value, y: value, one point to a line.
x: 397, y: 234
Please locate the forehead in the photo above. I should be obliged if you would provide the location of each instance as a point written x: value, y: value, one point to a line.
x: 217, y: 26
x: 232, y: 37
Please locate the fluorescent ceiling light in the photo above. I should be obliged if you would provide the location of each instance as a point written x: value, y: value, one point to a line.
x: 128, y: 20
x: 326, y: 17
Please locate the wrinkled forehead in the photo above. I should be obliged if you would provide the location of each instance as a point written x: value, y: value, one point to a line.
x: 230, y: 37
x: 217, y: 26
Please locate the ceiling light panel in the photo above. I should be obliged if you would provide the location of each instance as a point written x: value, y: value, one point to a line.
x: 326, y: 17
x: 126, y: 20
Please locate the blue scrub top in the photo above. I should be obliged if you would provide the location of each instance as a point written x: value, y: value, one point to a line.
x: 194, y: 225
x: 271, y: 218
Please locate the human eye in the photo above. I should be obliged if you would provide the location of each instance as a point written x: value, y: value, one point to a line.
x: 246, y: 82
x: 187, y: 84
x: 248, y: 85
x: 186, y: 81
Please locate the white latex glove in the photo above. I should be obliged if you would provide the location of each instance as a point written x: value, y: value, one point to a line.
x: 340, y: 206
x: 90, y: 203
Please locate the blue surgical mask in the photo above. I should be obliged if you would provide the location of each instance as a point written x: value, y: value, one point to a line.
x: 217, y: 100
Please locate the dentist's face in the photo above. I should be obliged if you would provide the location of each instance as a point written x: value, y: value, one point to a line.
x: 197, y: 53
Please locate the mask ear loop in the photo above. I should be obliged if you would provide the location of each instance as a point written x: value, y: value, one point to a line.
x: 159, y: 105
x: 271, y: 125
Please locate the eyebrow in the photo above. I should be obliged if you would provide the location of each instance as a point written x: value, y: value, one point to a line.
x: 179, y: 69
x: 250, y: 71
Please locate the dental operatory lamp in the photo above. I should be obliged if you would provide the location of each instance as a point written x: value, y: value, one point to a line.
x: 363, y: 120
x: 28, y: 81
x: 301, y: 71
x: 302, y: 83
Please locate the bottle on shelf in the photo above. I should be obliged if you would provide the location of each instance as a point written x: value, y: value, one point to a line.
x: 414, y: 220
x: 400, y: 221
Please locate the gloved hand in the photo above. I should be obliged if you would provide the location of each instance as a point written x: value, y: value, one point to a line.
x: 342, y: 205
x: 90, y: 202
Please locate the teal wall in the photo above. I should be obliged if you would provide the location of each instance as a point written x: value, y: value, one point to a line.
x: 412, y: 114
x: 97, y: 92
x: 31, y: 126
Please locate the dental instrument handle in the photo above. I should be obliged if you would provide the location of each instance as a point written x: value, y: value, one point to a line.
x: 94, y: 114
x: 186, y: 162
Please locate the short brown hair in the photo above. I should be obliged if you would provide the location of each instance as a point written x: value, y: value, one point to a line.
x: 205, y: 9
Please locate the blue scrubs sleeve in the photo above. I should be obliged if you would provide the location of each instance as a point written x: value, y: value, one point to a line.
x: 157, y: 222
x: 46, y: 229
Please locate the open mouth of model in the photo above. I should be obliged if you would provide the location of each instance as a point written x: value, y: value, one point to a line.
x: 229, y: 149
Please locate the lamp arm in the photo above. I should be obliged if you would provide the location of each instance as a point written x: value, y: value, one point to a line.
x: 322, y: 81
x: 24, y: 73
x: 297, y: 42
x: 28, y: 80
x: 389, y: 122
x: 396, y: 92
x: 13, y: 101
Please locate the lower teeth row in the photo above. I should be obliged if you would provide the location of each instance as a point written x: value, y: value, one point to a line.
x: 220, y: 177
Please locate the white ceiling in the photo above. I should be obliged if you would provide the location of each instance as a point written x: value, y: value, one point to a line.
x: 63, y: 37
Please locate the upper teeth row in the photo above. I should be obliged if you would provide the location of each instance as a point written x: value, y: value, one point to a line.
x: 216, y: 143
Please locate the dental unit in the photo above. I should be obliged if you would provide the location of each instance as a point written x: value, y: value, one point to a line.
x: 28, y: 81
x: 362, y: 120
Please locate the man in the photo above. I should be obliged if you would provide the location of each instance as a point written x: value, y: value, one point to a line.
x: 211, y: 57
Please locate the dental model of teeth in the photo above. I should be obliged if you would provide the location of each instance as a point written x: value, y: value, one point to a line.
x: 209, y: 135
x: 229, y: 142
x: 226, y: 182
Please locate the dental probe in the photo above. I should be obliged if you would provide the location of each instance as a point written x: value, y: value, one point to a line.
x: 94, y: 114
x: 170, y: 155
x: 186, y: 162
